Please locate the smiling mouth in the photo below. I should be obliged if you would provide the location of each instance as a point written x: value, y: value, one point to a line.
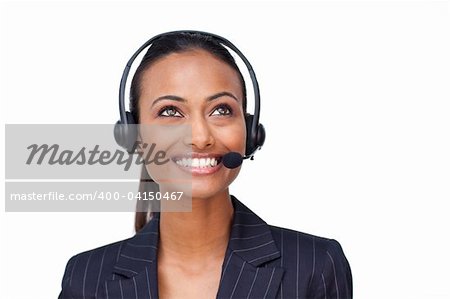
x: 203, y: 162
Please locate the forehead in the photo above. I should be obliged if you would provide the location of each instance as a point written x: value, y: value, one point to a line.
x: 190, y: 69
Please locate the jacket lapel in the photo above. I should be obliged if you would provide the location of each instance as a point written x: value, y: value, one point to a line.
x: 251, y: 246
x: 245, y: 273
x: 136, y: 268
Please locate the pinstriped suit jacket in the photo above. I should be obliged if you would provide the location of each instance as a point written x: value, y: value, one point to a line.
x: 261, y: 261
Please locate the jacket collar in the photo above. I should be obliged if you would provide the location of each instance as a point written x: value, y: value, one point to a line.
x: 250, y: 246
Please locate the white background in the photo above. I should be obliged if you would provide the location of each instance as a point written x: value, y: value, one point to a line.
x: 355, y: 101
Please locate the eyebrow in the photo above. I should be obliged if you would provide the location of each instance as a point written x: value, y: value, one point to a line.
x: 210, y: 98
x: 222, y: 94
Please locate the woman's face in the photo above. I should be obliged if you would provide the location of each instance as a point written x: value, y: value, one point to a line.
x: 195, y: 90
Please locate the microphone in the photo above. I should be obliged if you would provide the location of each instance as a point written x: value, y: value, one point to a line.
x: 233, y: 159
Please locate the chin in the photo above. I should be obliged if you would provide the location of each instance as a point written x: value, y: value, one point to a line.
x: 204, y: 188
x: 200, y: 190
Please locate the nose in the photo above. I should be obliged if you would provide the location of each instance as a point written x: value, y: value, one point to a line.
x: 201, y: 137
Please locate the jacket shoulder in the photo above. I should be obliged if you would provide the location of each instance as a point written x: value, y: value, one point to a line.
x: 86, y: 270
x: 317, y: 248
x: 314, y: 265
x: 291, y: 237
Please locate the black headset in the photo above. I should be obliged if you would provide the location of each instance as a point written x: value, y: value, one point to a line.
x: 125, y: 130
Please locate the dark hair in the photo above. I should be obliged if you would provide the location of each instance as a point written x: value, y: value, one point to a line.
x: 167, y: 44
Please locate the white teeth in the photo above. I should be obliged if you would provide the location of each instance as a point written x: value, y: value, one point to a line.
x: 202, y: 163
x: 197, y: 162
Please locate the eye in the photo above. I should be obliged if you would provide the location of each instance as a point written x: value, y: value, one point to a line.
x: 169, y: 111
x: 222, y: 110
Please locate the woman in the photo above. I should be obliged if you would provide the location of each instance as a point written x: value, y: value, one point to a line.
x: 220, y: 249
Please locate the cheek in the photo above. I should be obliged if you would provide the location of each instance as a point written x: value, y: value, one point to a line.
x: 233, y: 137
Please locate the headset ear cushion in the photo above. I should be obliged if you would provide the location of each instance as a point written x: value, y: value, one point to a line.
x: 260, y: 136
x: 253, y: 143
x: 249, y: 142
x: 126, y: 135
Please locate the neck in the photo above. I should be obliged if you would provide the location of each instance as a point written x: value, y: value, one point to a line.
x: 204, y: 232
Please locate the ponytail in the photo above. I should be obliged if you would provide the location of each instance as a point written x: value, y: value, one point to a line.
x: 143, y: 208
